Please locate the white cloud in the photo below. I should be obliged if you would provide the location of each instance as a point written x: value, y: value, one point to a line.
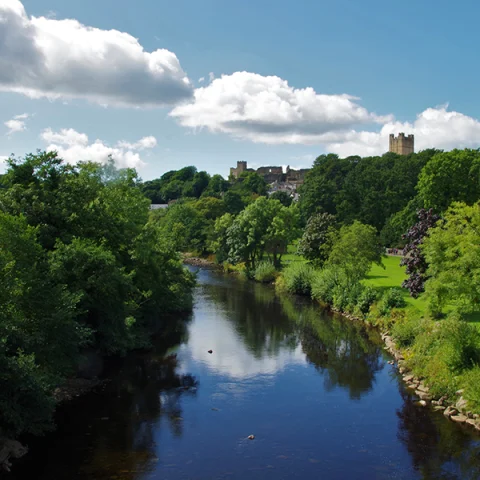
x: 211, y: 76
x: 73, y: 147
x: 14, y: 126
x: 46, y: 57
x: 66, y: 136
x: 201, y: 79
x: 22, y: 116
x: 143, y: 144
x: 268, y: 110
x: 17, y: 123
x: 433, y: 128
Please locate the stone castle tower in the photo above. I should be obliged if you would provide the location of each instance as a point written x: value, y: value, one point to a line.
x: 236, y: 172
x: 402, y: 145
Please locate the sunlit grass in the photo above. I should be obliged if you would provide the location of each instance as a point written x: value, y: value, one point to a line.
x: 392, y: 276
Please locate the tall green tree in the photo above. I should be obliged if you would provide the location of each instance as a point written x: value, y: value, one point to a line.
x: 264, y: 226
x: 450, y: 176
x: 452, y: 252
x: 355, y: 248
x: 314, y: 244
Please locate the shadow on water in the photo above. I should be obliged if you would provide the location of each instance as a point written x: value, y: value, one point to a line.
x: 109, y: 433
x: 330, y: 408
x: 438, y: 449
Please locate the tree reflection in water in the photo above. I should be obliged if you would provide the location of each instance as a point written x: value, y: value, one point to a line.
x: 113, y: 432
x: 438, y: 449
x: 345, y: 353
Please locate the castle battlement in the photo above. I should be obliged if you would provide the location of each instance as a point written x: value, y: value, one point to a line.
x: 402, y: 145
x: 271, y: 174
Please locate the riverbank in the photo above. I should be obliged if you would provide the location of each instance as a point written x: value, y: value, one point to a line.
x: 200, y: 262
x: 452, y: 404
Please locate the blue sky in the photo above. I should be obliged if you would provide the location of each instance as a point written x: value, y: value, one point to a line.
x: 283, y: 81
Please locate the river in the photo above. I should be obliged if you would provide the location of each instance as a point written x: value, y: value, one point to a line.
x: 315, y: 390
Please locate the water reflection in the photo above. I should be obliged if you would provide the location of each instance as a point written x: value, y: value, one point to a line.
x: 314, y: 389
x: 257, y: 332
x: 438, y: 449
x: 115, y: 430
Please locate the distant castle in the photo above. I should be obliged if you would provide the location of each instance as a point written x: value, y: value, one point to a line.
x: 291, y: 179
x: 402, y: 145
x: 272, y: 174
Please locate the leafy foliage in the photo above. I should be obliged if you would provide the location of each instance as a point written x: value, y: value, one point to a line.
x: 450, y: 176
x: 80, y: 266
x: 452, y: 253
x: 298, y: 278
x: 265, y: 272
x: 413, y: 257
x: 283, y: 197
x: 355, y: 248
x: 264, y: 226
x: 392, y: 298
x: 314, y: 244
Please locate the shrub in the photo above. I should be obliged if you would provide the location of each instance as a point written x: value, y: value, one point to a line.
x: 471, y: 380
x: 392, y: 298
x: 367, y: 297
x: 443, y: 350
x: 406, y: 328
x: 265, y: 272
x: 298, y: 278
x: 332, y: 286
x: 323, y: 286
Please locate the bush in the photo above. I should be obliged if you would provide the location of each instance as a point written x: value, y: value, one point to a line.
x: 406, y: 328
x: 443, y: 350
x: 298, y: 278
x: 333, y: 287
x: 265, y: 272
x: 392, y: 298
x: 471, y: 381
x: 323, y: 286
x: 368, y: 297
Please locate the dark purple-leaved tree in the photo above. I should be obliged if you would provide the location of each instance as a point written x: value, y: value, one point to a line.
x: 413, y: 257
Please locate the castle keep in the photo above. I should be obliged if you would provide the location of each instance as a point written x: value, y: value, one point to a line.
x: 402, y: 145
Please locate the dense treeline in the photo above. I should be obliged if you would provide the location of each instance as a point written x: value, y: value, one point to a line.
x: 85, y: 265
x: 189, y: 183
x: 370, y: 189
x: 81, y: 267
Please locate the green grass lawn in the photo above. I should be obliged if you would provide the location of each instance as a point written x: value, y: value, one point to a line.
x: 392, y: 276
x: 291, y: 255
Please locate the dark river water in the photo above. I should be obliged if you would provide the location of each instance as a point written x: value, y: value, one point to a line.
x: 315, y: 390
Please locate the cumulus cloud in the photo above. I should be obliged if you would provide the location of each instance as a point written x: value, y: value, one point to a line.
x: 268, y: 110
x: 17, y: 123
x: 73, y: 147
x: 201, y: 79
x: 46, y: 57
x: 143, y: 144
x: 433, y: 128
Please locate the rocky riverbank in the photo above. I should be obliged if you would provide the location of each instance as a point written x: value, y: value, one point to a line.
x: 457, y: 412
x: 201, y: 262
